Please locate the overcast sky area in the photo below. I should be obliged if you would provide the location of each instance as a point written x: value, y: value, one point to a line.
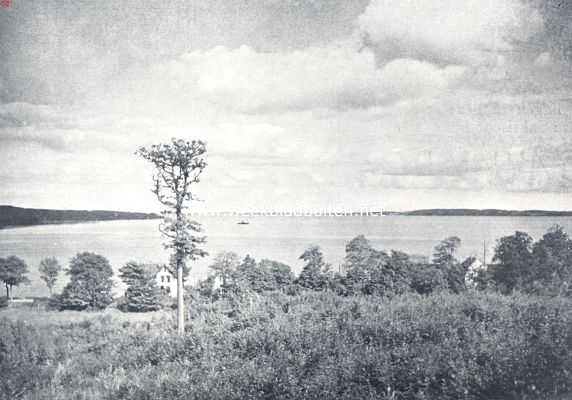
x: 400, y: 104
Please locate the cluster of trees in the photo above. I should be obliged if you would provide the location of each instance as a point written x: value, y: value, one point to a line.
x: 366, y: 270
x: 14, y: 271
x: 541, y: 267
x: 544, y: 267
x: 91, y: 285
x: 90, y: 282
x: 231, y: 276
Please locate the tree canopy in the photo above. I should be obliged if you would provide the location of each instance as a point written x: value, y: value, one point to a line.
x: 316, y: 272
x: 552, y: 262
x: 90, y: 283
x: 224, y: 267
x: 49, y: 270
x: 13, y: 272
x: 444, y: 252
x: 513, y: 255
x: 142, y: 293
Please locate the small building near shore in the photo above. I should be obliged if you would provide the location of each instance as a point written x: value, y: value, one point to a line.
x: 166, y: 281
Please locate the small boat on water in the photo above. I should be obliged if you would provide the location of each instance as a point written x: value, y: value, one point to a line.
x: 243, y: 222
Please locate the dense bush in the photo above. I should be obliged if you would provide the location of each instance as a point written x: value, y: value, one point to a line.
x: 312, y: 345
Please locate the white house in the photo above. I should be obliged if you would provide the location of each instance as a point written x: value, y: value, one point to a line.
x: 473, y: 271
x: 166, y: 281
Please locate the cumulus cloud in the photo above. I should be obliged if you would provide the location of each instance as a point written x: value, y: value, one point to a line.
x: 467, y: 31
x: 334, y: 77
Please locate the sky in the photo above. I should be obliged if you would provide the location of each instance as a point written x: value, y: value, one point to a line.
x: 397, y: 104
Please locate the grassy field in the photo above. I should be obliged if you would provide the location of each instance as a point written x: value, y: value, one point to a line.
x: 308, y: 346
x: 41, y: 318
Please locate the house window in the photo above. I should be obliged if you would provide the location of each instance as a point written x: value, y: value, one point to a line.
x: 162, y: 279
x: 168, y: 279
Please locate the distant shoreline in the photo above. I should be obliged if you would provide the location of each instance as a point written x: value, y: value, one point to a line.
x: 17, y: 217
x: 92, y: 221
x: 14, y: 217
x: 468, y: 212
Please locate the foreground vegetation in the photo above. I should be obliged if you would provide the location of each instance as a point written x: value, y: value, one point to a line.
x: 312, y: 345
x: 387, y: 327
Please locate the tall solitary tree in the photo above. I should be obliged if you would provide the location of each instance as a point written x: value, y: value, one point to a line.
x: 178, y: 165
x: 49, y: 271
x: 13, y: 272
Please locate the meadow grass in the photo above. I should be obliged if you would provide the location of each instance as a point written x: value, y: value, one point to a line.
x: 30, y: 315
x: 308, y: 346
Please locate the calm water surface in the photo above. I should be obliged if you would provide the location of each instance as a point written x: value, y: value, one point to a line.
x: 279, y: 238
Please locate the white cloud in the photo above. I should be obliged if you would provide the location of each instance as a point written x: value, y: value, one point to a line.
x: 465, y: 31
x: 333, y: 77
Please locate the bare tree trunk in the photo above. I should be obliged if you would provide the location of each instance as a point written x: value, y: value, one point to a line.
x: 7, y: 292
x: 180, y: 302
x: 180, y: 260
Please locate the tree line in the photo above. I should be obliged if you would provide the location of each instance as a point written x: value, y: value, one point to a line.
x: 543, y: 267
x: 519, y: 264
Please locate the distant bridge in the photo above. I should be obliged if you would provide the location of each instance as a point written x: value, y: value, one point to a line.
x: 326, y: 212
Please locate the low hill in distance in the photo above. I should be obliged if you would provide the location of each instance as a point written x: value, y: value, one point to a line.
x: 481, y: 213
x: 17, y: 216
